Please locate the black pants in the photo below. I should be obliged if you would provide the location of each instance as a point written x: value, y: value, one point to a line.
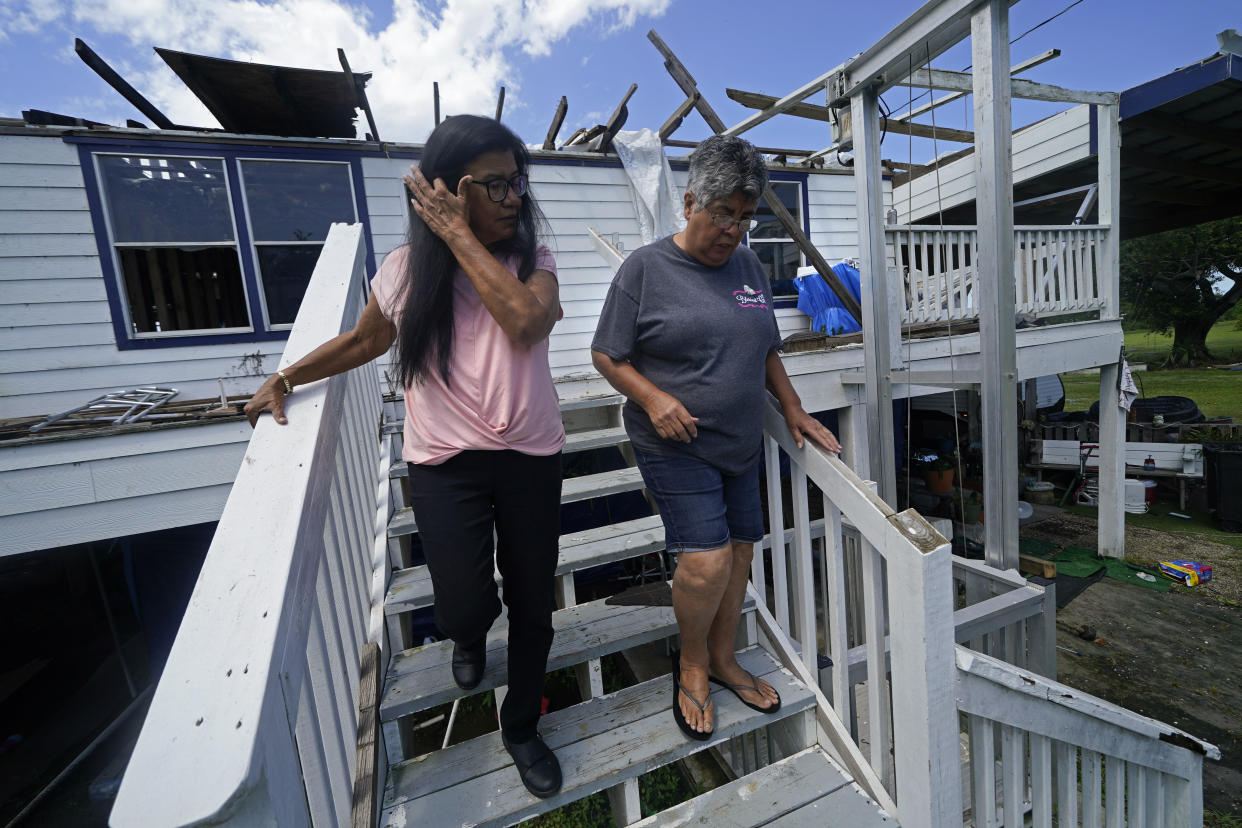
x: 456, y: 504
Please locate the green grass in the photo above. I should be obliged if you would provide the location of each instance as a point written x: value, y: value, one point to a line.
x: 1217, y: 391
x: 1224, y: 341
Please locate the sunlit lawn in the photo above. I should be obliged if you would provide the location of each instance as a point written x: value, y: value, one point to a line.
x: 1217, y: 391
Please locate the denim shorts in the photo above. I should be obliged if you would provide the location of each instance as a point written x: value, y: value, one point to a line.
x: 702, y: 508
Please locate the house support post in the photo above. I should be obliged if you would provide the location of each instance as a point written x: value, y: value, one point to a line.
x: 989, y: 32
x: 880, y: 319
x: 1111, y: 514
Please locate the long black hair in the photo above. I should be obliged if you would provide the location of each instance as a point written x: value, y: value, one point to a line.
x: 425, y: 339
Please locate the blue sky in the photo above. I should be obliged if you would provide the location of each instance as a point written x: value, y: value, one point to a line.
x: 587, y: 50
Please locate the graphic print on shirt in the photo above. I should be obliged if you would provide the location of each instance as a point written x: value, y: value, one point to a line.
x: 748, y: 297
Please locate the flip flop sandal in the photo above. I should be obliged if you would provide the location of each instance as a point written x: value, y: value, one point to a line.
x: 753, y: 687
x: 678, y: 716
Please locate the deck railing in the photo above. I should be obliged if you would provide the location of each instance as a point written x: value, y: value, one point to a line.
x: 865, y: 574
x: 255, y: 718
x: 1057, y: 270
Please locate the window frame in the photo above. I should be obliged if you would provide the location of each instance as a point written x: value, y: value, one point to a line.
x: 801, y: 179
x: 118, y: 274
x: 255, y: 244
x: 229, y: 152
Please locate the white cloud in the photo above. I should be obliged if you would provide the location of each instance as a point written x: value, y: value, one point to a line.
x: 465, y: 45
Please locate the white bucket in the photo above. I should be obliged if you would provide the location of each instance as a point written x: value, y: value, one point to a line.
x: 1136, y: 497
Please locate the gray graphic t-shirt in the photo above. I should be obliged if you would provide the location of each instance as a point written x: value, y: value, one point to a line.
x: 701, y: 334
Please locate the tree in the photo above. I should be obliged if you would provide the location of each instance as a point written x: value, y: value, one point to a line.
x: 1176, y: 280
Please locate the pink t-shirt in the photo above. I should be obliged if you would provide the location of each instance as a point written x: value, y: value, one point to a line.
x: 501, y: 394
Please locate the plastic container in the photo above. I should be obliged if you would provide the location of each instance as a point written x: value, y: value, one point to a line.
x: 1136, y: 497
x: 1222, y: 467
x: 1040, y: 493
x: 1150, y: 485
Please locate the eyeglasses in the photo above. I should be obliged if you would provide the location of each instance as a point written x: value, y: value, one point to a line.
x: 498, y: 188
x: 724, y: 221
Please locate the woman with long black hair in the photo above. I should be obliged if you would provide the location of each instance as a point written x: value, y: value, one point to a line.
x: 469, y: 302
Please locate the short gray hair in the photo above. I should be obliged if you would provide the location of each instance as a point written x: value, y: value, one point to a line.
x: 723, y: 165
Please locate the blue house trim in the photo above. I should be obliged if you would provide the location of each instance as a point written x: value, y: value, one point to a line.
x: 230, y: 152
x: 1174, y: 85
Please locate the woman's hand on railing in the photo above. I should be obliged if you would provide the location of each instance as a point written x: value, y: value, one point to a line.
x: 269, y: 397
x: 802, y: 424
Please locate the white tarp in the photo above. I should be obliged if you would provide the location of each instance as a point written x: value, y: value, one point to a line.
x: 657, y: 201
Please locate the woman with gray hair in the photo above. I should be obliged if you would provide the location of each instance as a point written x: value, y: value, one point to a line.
x: 687, y: 334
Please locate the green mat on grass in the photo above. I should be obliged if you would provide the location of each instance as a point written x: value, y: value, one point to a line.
x: 1079, y: 562
x: 1036, y: 547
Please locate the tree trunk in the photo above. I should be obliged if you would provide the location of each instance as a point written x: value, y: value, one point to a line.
x: 1190, y: 342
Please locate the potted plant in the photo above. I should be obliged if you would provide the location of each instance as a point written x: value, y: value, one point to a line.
x: 938, y: 475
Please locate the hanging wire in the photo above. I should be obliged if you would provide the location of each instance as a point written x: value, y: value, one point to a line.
x: 908, y: 333
x: 1038, y: 25
x: 957, y: 437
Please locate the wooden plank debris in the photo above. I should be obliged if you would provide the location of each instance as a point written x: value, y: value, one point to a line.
x: 787, y: 222
x: 814, y: 112
x: 1037, y: 566
x: 679, y: 114
x: 558, y: 118
x: 500, y: 103
x: 361, y: 89
x: 101, y: 67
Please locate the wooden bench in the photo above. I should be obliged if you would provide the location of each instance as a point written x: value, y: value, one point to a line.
x: 1179, y: 461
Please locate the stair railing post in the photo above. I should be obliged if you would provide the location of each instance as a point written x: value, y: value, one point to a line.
x: 925, y: 726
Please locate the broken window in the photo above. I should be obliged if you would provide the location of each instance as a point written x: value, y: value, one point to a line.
x: 171, y: 228
x: 778, y: 253
x: 290, y: 206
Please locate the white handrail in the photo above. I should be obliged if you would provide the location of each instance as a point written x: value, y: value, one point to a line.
x: 255, y: 716
x: 1084, y: 753
x: 911, y: 560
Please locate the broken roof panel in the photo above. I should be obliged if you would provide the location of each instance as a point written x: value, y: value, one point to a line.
x: 258, y: 99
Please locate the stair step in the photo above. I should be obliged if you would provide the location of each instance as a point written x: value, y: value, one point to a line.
x: 599, y: 743
x: 420, y: 677
x: 410, y: 589
x: 805, y: 789
x: 586, y: 401
x: 572, y: 490
x: 578, y: 441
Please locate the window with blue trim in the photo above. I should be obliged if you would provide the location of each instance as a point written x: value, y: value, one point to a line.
x: 777, y: 252
x: 181, y: 238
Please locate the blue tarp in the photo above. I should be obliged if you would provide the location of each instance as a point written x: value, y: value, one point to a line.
x: 817, y: 301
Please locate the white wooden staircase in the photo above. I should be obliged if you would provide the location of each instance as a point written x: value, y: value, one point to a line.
x: 281, y: 699
x: 607, y: 741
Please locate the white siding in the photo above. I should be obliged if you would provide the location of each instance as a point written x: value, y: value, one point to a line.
x: 73, y: 491
x: 57, y: 346
x: 1055, y: 142
x: 574, y: 198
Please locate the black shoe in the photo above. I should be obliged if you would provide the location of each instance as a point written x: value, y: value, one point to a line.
x: 536, y: 765
x: 468, y: 664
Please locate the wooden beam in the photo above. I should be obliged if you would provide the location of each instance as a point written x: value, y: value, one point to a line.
x: 435, y: 100
x: 1016, y: 69
x: 500, y: 103
x: 996, y: 294
x: 618, y: 118
x: 558, y: 118
x: 110, y: 76
x: 688, y: 86
x: 674, y: 142
x: 776, y: 107
x: 1179, y: 166
x: 756, y: 100
x: 359, y: 90
x: 679, y: 114
x: 961, y: 82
